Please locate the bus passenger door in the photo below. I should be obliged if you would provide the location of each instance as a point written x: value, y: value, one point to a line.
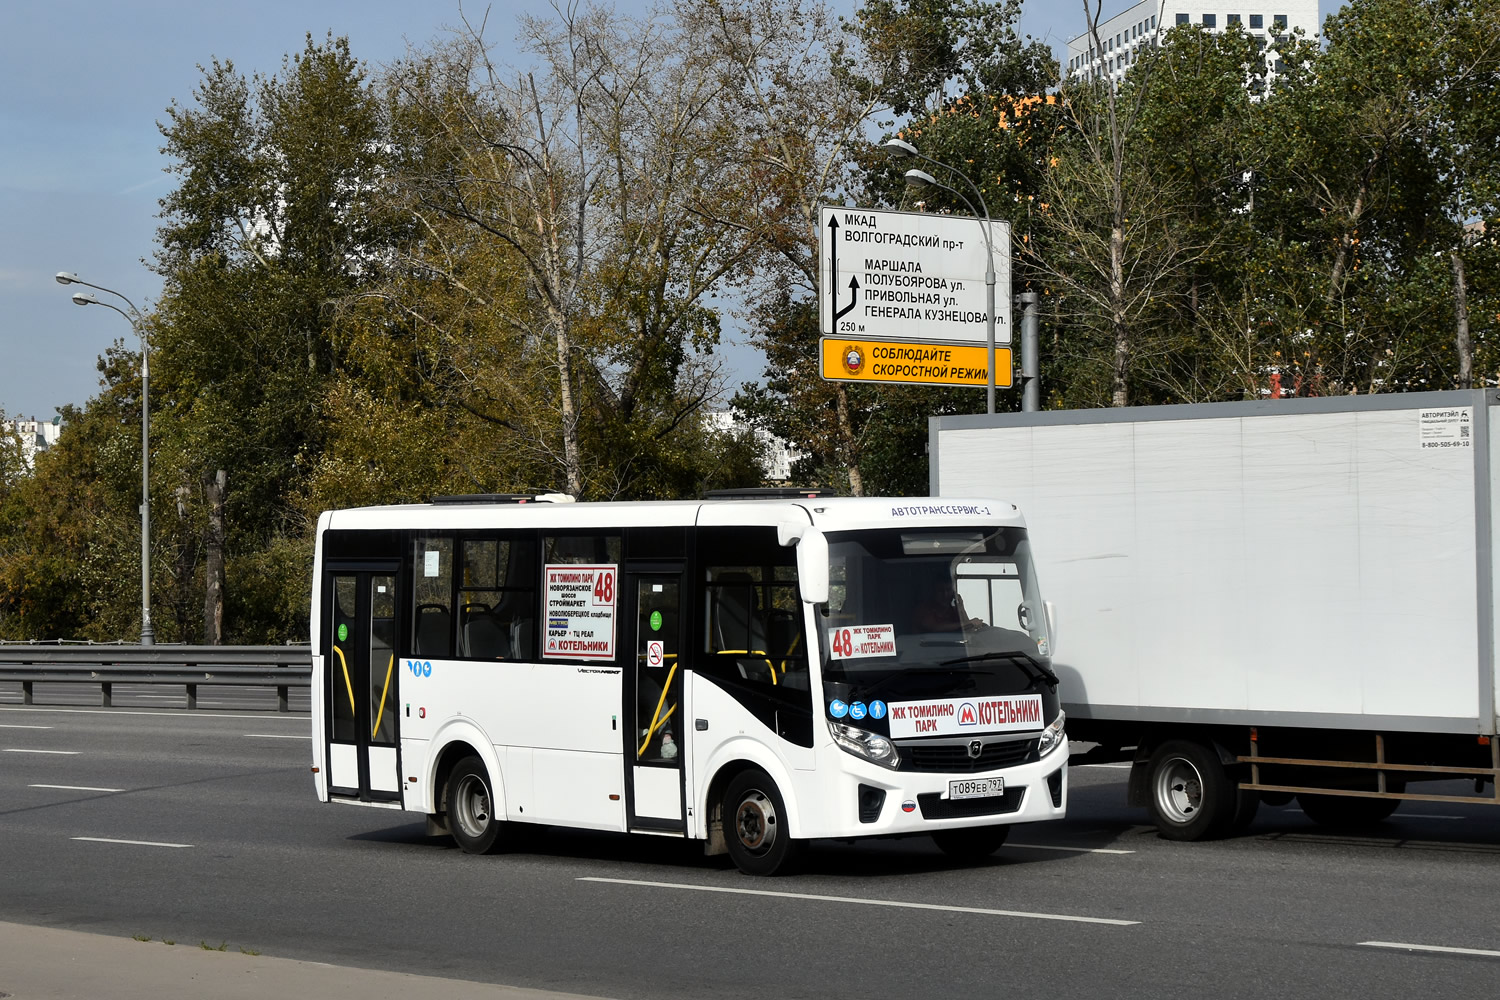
x: 359, y: 649
x: 655, y: 730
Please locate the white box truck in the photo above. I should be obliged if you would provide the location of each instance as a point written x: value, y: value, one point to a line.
x: 1261, y: 600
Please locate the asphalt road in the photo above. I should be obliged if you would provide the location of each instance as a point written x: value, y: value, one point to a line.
x: 203, y: 828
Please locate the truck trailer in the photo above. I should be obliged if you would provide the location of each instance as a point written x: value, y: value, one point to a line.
x: 1263, y: 600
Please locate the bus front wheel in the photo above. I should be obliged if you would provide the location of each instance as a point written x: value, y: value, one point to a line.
x: 755, y: 829
x: 471, y: 808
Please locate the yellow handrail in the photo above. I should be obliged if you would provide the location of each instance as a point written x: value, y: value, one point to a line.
x: 795, y: 639
x: 384, y: 691
x: 751, y: 652
x: 347, y: 683
x: 655, y: 724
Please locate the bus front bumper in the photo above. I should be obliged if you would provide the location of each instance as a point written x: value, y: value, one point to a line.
x: 871, y: 800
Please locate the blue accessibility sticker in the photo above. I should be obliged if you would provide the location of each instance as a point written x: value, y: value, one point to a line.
x: 857, y: 710
x: 877, y: 709
x: 837, y: 709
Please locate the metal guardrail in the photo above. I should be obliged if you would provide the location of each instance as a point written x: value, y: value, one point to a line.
x: 281, y: 667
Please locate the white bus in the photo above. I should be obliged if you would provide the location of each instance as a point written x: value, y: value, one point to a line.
x: 752, y: 673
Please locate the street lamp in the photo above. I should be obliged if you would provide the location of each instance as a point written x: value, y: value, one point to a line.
x: 899, y: 149
x: 133, y: 317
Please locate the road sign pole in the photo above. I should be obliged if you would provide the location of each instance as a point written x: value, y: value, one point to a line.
x: 1031, y: 390
x: 989, y: 294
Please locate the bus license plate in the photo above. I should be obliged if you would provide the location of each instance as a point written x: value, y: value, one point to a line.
x: 976, y: 788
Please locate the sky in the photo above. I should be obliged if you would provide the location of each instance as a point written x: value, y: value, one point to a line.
x: 83, y: 84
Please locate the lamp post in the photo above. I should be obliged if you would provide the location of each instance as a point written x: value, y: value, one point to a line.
x: 899, y: 149
x: 133, y: 317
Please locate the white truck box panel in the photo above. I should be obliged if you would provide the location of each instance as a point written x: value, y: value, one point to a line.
x: 1306, y: 562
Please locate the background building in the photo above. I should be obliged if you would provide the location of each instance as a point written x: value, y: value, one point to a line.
x: 1123, y: 37
x: 777, y: 455
x: 35, y: 436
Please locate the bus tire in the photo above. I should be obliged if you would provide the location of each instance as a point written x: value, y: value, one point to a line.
x: 973, y: 844
x: 1191, y: 797
x: 755, y: 827
x: 471, y: 814
x: 1346, y: 812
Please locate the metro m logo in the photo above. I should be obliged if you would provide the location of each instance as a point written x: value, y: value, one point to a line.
x: 966, y: 715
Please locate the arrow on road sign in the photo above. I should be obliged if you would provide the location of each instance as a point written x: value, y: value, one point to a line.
x: 833, y: 249
x: 853, y: 298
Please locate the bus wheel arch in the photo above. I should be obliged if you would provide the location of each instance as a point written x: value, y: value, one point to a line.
x: 755, y: 824
x: 460, y: 744
x: 712, y: 804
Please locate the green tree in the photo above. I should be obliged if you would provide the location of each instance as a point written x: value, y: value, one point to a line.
x: 893, y: 58
x: 274, y: 220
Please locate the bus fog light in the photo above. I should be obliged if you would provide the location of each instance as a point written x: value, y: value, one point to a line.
x: 864, y: 744
x: 1053, y: 736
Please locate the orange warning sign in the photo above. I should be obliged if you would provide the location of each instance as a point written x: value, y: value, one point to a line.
x: 913, y: 363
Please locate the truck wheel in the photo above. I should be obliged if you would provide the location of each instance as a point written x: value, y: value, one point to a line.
x: 471, y: 808
x: 755, y: 830
x: 1191, y: 795
x: 1343, y: 812
x: 971, y: 845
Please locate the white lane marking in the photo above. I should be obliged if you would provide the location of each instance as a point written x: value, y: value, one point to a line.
x: 1399, y: 946
x: 1104, y: 765
x: 277, y: 736
x: 78, y: 788
x: 865, y: 902
x: 1076, y: 850
x: 137, y: 843
x: 3, y: 726
x: 65, y: 753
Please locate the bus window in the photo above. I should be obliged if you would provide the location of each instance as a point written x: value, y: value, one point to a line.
x: 432, y: 586
x: 752, y: 622
x: 583, y: 550
x: 382, y: 658
x: 497, y: 598
x: 345, y: 607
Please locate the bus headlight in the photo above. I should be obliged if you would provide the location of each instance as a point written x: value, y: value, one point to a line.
x: 867, y: 745
x: 1053, y: 736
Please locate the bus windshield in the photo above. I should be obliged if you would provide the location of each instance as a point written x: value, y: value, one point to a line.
x: 925, y: 613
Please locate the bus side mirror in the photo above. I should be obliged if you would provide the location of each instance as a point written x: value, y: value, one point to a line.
x: 812, y: 567
x: 1051, y: 611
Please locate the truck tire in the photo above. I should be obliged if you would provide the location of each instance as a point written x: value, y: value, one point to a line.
x: 1190, y: 794
x: 1344, y: 812
x: 755, y: 827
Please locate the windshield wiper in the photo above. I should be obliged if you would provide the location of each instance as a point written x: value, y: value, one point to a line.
x: 918, y: 673
x: 1034, y: 667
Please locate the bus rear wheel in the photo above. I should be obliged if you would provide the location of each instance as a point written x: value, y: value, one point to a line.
x: 972, y: 845
x: 755, y: 830
x: 471, y: 808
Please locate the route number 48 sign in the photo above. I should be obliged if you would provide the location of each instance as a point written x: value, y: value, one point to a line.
x: 580, y: 608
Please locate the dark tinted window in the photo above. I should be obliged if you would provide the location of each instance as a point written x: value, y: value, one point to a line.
x: 432, y: 596
x: 752, y: 625
x: 497, y: 583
